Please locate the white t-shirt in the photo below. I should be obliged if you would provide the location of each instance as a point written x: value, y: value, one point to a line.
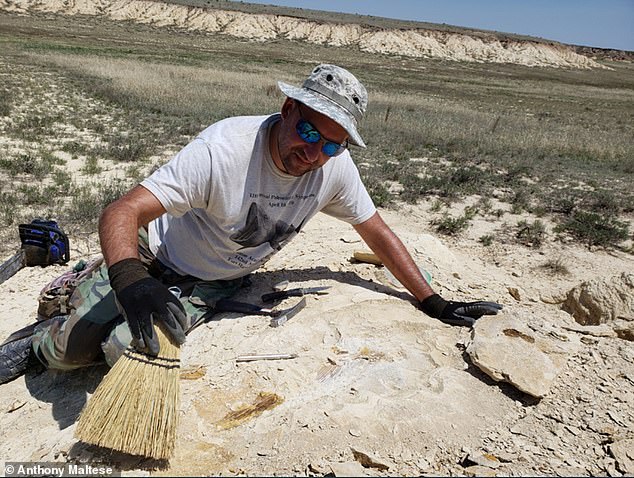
x: 229, y: 208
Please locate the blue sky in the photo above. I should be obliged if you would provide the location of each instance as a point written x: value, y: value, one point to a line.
x: 598, y: 23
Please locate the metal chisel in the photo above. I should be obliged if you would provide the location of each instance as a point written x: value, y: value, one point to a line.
x: 299, y: 292
x: 288, y: 314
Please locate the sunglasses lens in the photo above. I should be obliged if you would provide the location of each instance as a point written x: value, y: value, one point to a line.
x: 306, y: 131
x: 330, y: 149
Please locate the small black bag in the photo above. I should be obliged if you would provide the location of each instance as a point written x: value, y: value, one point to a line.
x: 44, y: 243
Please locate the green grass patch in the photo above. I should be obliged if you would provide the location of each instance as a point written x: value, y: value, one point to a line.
x: 91, y: 166
x: 595, y: 229
x: 89, y: 200
x: 531, y: 234
x: 5, y: 102
x: 452, y: 226
x: 26, y: 164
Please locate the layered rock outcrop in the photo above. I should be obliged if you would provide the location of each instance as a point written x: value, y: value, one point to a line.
x: 418, y: 43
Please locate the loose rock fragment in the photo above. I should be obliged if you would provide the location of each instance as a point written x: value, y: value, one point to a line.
x: 367, y: 460
x: 623, y: 453
x: 483, y: 459
x: 515, y: 293
x: 624, y: 327
x: 349, y: 468
x: 552, y: 297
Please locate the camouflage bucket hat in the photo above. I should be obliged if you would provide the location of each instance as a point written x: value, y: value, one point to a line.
x: 335, y: 92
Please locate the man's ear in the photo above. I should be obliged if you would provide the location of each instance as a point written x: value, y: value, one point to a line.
x: 287, y: 107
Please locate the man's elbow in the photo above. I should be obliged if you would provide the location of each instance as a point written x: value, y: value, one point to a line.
x: 373, y: 226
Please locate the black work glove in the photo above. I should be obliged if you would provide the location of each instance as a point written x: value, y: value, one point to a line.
x: 457, y: 313
x: 143, y: 300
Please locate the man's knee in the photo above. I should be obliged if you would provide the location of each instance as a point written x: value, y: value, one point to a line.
x: 50, y: 345
x: 116, y: 342
x: 64, y: 344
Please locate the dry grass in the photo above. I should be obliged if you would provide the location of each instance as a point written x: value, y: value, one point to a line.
x: 548, y: 139
x: 527, y: 128
x: 201, y: 92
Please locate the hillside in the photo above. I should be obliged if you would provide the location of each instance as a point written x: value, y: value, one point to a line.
x: 448, y: 44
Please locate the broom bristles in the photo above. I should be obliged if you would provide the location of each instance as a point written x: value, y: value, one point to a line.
x: 135, y: 407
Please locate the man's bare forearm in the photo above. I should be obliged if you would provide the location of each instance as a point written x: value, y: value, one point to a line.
x: 392, y: 252
x: 120, y: 222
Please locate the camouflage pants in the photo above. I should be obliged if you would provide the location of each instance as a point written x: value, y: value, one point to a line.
x: 95, y: 329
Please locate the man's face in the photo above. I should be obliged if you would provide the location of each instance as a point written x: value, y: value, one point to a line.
x: 296, y: 155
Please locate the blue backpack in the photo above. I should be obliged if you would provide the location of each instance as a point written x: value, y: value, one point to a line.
x: 44, y: 243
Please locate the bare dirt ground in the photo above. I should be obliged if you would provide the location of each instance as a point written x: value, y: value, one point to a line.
x: 373, y: 375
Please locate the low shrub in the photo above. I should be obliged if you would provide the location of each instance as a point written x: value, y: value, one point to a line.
x: 531, y: 234
x: 451, y: 226
x: 555, y: 267
x: 595, y: 229
x: 486, y: 240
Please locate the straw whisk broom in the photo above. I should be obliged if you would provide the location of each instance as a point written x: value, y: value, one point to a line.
x: 135, y: 407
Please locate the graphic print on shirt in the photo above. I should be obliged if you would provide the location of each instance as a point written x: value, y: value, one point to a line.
x: 260, y: 228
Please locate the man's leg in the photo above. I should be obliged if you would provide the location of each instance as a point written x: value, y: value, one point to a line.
x: 72, y: 341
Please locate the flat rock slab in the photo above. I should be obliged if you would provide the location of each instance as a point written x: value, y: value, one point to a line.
x: 507, y: 350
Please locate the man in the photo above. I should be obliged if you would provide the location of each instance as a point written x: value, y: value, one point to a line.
x: 221, y: 208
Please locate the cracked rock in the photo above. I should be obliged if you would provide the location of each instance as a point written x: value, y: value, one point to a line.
x: 504, y: 348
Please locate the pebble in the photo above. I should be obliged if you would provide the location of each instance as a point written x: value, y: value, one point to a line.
x: 517, y: 431
x: 506, y: 457
x: 589, y: 340
x: 484, y: 459
x: 423, y: 465
x: 571, y: 462
x: 368, y: 460
x: 316, y: 469
x: 515, y: 293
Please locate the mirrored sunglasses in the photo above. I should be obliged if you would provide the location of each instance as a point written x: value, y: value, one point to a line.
x: 309, y: 134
